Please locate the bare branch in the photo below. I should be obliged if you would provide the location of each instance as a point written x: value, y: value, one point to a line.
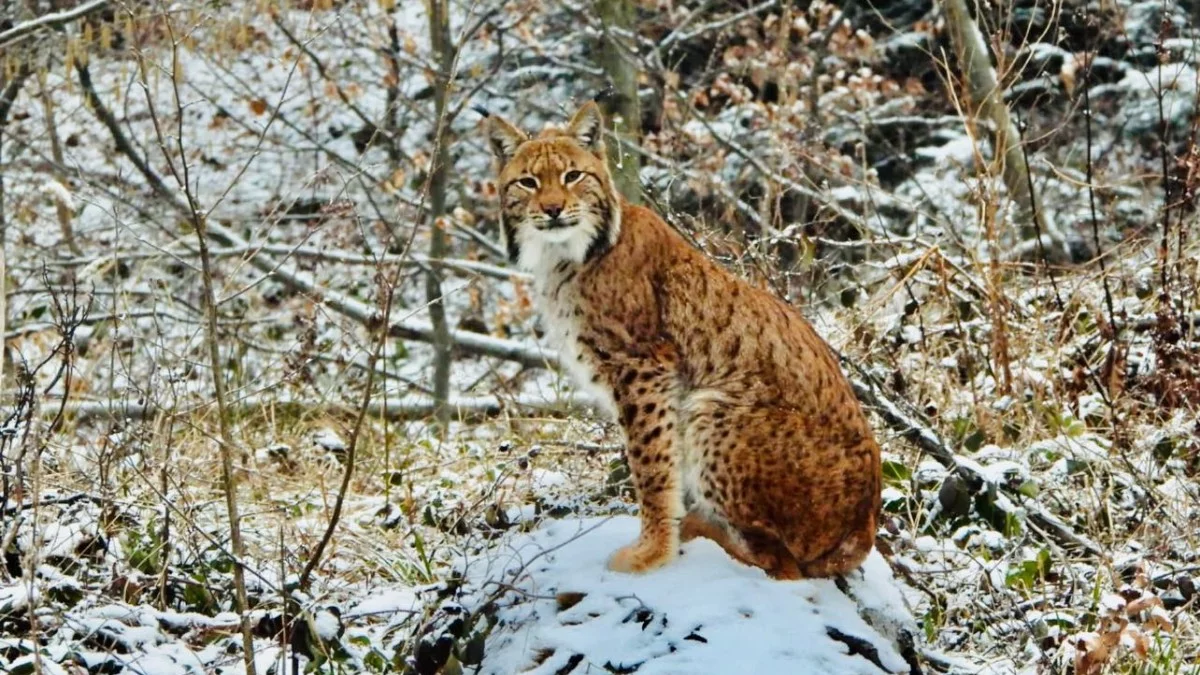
x: 52, y: 20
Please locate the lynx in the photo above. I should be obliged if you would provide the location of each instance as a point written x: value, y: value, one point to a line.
x: 740, y: 426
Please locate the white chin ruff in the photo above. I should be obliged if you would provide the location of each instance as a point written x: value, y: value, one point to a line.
x: 542, y: 249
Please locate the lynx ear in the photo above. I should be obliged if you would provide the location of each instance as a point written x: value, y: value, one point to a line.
x: 503, y: 138
x: 587, y: 127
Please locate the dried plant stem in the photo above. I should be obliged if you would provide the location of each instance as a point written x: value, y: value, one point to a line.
x: 1164, y: 133
x: 1091, y: 188
x: 229, y: 479
x: 352, y: 446
x: 181, y: 171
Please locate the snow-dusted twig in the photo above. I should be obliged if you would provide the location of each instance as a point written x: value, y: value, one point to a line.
x: 724, y: 22
x: 45, y: 326
x: 52, y: 20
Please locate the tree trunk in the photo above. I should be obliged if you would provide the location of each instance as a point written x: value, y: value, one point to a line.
x: 443, y: 51
x: 623, y: 107
x: 986, y: 94
x: 61, y: 208
x: 8, y: 95
x: 9, y: 89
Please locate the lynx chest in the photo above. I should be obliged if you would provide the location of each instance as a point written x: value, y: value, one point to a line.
x: 558, y: 303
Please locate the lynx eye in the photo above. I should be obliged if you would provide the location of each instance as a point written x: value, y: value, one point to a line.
x: 528, y: 182
x: 572, y: 177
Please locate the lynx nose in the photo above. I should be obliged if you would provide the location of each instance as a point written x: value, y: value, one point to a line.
x: 552, y: 211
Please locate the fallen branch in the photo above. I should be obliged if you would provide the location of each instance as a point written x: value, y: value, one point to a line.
x: 62, y: 500
x: 919, y: 434
x: 409, y: 407
x: 529, y: 355
x: 313, y: 253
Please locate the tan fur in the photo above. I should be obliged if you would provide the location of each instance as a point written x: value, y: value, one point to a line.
x: 740, y: 425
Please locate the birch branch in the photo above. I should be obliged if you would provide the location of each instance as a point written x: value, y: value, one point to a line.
x: 52, y: 20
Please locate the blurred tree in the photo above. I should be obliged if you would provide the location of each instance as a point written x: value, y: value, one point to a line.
x: 444, y: 51
x: 618, y: 59
x: 985, y: 93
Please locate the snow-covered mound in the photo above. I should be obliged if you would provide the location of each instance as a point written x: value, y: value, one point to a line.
x: 565, y: 612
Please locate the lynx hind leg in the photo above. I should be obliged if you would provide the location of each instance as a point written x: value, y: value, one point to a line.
x: 755, y: 549
x: 788, y: 486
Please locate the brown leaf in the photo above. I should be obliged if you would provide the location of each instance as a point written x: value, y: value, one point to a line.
x: 1091, y: 653
x: 1143, y: 603
x: 1159, y: 619
x: 258, y: 106
x: 1136, y: 641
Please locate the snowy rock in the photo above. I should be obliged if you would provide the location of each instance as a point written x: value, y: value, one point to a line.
x: 328, y: 439
x: 558, y: 606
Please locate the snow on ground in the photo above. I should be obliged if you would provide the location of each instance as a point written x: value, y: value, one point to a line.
x: 560, y: 607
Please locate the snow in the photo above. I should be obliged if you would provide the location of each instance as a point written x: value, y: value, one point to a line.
x: 385, y: 601
x: 327, y: 625
x: 16, y: 596
x: 702, y: 613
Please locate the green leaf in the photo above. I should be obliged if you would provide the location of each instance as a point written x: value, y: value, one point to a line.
x: 975, y: 441
x: 1025, y: 575
x: 895, y: 472
x: 1029, y: 489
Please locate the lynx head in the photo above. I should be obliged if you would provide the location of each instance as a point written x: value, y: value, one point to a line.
x: 557, y: 198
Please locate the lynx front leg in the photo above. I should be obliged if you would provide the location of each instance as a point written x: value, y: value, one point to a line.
x: 645, y: 394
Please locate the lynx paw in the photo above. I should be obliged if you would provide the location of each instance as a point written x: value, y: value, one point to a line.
x: 641, y: 556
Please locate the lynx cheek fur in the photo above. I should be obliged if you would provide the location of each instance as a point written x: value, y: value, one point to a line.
x: 740, y: 426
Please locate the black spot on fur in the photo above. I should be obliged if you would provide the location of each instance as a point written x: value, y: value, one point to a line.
x: 600, y: 244
x: 627, y: 413
x: 510, y: 237
x: 566, y: 280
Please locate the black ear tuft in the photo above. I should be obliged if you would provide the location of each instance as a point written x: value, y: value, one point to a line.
x: 503, y: 137
x: 587, y: 127
x: 483, y: 112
